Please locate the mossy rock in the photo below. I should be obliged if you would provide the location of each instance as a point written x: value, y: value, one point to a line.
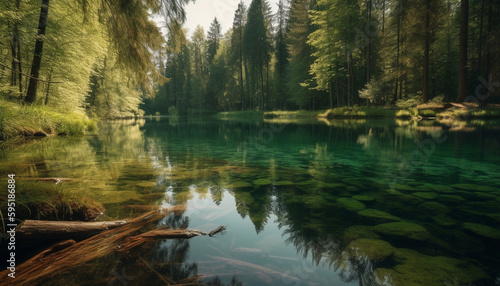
x: 308, y: 183
x: 146, y: 184
x: 262, y: 182
x: 482, y: 230
x: 495, y: 217
x: 377, y: 215
x: 433, y: 208
x: 283, y: 183
x: 403, y: 229
x: 363, y: 198
x: 374, y: 249
x: 444, y: 220
x: 442, y: 189
x: 407, y: 188
x: 452, y: 199
x: 393, y: 192
x: 240, y: 185
x: 416, y: 269
x: 472, y: 187
x: 484, y: 196
x: 410, y: 199
x: 426, y: 195
x: 315, y: 201
x: 351, y: 205
x: 334, y: 186
x: 352, y: 189
x: 360, y: 231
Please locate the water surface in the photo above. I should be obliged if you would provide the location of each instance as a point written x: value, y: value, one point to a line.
x: 345, y: 202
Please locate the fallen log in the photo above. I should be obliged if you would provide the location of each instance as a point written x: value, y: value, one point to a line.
x: 60, y: 230
x: 64, y: 257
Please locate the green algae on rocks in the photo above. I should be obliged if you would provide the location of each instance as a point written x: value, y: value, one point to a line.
x: 403, y: 229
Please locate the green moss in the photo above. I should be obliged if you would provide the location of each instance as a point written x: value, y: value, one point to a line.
x: 146, y: 184
x: 482, y: 230
x: 240, y: 185
x: 252, y: 114
x: 442, y: 189
x: 363, y: 198
x: 359, y: 231
x: 377, y: 215
x: 374, y: 249
x: 403, y: 229
x: 416, y: 269
x: 433, y: 208
x: 427, y: 112
x: 426, y: 195
x: 283, y: 183
x: 472, y: 187
x: 262, y: 182
x: 351, y: 205
x: 452, y: 199
x: 358, y: 112
x: 444, y: 220
x: 393, y: 192
x: 400, y: 187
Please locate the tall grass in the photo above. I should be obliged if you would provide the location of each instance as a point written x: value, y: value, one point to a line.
x: 18, y: 121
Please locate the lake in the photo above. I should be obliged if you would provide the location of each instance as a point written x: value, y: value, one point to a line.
x: 305, y: 202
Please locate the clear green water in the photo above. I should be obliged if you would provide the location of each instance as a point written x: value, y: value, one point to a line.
x: 347, y: 202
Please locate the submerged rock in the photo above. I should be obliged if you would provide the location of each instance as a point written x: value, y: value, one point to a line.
x: 262, y: 182
x: 416, y: 269
x: 363, y: 198
x: 426, y: 195
x: 433, y: 208
x: 444, y: 220
x: 400, y: 187
x: 240, y: 185
x: 146, y: 184
x: 360, y: 231
x: 403, y: 229
x: 452, y: 199
x: 351, y: 205
x: 442, y: 189
x: 283, y: 183
x: 377, y: 215
x: 482, y: 230
x: 374, y: 249
x: 472, y: 187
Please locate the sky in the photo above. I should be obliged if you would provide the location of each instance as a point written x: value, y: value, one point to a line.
x: 202, y: 12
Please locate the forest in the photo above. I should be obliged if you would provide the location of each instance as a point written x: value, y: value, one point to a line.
x: 109, y: 58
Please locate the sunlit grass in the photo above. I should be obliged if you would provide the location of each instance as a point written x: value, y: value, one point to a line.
x: 18, y: 121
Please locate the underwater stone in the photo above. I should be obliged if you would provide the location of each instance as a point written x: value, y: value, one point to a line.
x: 242, y: 184
x: 442, y: 189
x: 426, y: 195
x: 416, y: 269
x: 452, y: 199
x: 482, y: 230
x: 262, y: 182
x: 403, y: 229
x: 359, y: 231
x: 400, y: 187
x: 378, y: 215
x: 351, y: 205
x: 284, y: 183
x: 444, y: 220
x: 363, y: 198
x: 472, y: 187
x: 433, y: 208
x: 393, y: 192
x: 146, y: 184
x: 375, y: 249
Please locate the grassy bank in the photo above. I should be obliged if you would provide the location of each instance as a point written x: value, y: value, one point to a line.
x: 370, y: 112
x: 17, y: 121
x: 50, y: 201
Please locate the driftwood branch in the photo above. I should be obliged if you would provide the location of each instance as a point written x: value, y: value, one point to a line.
x: 63, y: 229
x: 65, y: 256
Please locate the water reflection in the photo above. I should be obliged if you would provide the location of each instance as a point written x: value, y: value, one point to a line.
x: 311, y: 206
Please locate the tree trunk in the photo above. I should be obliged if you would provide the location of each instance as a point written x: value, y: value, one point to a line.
x: 37, y: 59
x: 395, y: 97
x: 48, y: 88
x: 427, y: 46
x: 462, y: 54
x: 60, y: 230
